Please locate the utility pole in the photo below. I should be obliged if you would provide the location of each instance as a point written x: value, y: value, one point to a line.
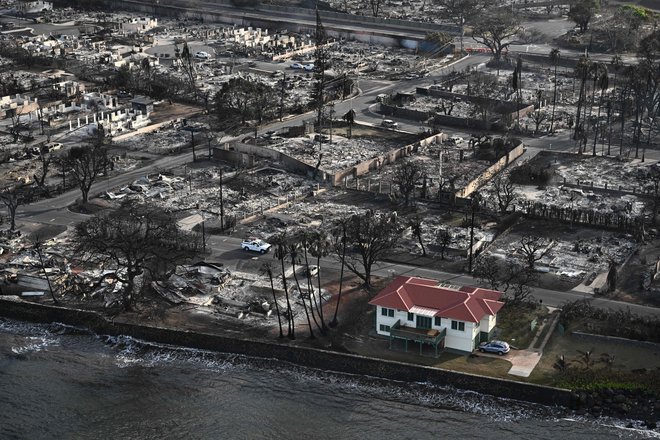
x: 222, y: 205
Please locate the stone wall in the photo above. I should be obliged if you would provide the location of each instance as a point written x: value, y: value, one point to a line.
x: 308, y: 357
x: 491, y: 171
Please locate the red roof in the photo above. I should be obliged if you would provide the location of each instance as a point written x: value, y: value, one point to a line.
x: 468, y: 303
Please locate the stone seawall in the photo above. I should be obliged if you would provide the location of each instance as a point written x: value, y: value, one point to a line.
x: 308, y: 357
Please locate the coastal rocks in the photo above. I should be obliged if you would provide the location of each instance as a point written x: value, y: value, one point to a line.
x: 630, y: 404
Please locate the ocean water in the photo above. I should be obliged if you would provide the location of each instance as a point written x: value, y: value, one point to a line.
x: 59, y: 382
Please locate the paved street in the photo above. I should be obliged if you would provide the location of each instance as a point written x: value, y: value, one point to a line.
x: 226, y: 249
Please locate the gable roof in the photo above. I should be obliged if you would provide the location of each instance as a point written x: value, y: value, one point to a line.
x: 467, y: 303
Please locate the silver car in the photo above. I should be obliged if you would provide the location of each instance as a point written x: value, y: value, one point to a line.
x: 498, y: 347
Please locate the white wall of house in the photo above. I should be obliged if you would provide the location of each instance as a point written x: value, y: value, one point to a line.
x: 462, y: 340
x: 488, y: 323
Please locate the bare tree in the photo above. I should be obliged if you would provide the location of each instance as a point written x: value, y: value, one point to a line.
x: 539, y: 117
x: 86, y: 164
x: 506, y: 192
x: 494, y: 29
x: 12, y: 197
x: 533, y: 248
x: 406, y: 177
x: 17, y: 127
x: 375, y: 7
x: 461, y: 12
x: 40, y: 176
x: 444, y: 240
x: 513, y: 279
x: 582, y: 11
x: 134, y: 238
x: 372, y: 238
x: 416, y: 229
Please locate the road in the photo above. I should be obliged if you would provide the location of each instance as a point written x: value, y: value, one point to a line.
x: 226, y: 249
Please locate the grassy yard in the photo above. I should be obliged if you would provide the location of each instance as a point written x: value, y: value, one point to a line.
x: 514, y: 323
x: 629, y: 366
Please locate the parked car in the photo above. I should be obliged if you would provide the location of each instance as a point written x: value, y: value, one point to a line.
x: 309, y: 67
x: 202, y: 55
x: 296, y: 66
x: 53, y: 146
x: 255, y: 245
x: 498, y: 347
x: 388, y: 123
x: 455, y: 140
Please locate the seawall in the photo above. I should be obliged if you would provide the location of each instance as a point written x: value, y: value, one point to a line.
x: 308, y: 357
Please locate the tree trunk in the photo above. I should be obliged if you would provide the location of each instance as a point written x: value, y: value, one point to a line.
x: 320, y: 298
x: 291, y: 332
x: 554, y: 103
x: 277, y: 307
x: 309, y: 322
x: 333, y: 323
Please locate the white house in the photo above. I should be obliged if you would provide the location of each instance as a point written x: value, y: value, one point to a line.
x: 424, y: 311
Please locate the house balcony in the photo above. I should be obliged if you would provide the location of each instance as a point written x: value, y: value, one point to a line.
x: 432, y: 337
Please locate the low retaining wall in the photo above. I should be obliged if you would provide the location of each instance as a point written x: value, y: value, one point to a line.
x: 308, y: 357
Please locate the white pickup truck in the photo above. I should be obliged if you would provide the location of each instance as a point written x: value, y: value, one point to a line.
x: 255, y: 245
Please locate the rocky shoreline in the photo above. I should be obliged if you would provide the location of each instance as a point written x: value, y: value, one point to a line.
x: 616, y: 403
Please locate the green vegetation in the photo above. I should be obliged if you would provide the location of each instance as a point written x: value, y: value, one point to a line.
x: 514, y: 322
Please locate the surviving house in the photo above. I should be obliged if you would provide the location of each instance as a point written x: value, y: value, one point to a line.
x: 427, y: 312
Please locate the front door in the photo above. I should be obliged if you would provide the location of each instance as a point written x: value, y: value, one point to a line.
x: 423, y: 322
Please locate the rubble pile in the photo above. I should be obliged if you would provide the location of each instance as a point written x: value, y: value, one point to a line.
x: 572, y: 257
x: 339, y: 155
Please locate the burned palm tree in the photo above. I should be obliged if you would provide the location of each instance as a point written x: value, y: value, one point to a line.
x: 602, y: 82
x: 319, y: 248
x: 267, y: 269
x: 280, y: 244
x: 293, y: 249
x: 555, y: 54
x: 304, y: 239
x: 339, y: 244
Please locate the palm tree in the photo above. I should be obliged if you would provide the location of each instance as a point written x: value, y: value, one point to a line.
x: 582, y: 72
x: 339, y: 236
x: 603, y: 84
x: 267, y: 269
x: 304, y: 239
x: 616, y: 64
x: 555, y: 54
x: 280, y: 242
x: 598, y: 70
x: 293, y: 249
x: 319, y: 248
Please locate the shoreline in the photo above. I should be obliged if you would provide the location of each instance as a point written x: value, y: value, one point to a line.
x: 582, y: 402
x: 303, y: 356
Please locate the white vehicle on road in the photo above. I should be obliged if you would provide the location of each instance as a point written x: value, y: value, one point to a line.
x: 202, y: 55
x: 255, y: 245
x: 388, y: 123
x: 296, y: 66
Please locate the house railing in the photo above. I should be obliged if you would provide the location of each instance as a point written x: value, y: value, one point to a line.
x: 425, y: 336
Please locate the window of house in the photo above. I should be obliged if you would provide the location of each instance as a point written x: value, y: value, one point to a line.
x: 383, y: 311
x: 411, y: 316
x: 387, y: 312
x: 438, y: 321
x: 458, y: 325
x: 384, y: 328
